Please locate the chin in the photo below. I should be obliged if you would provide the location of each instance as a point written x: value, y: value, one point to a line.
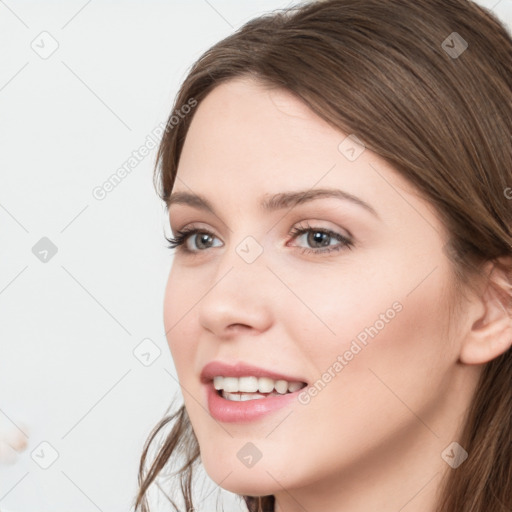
x: 244, y: 481
x: 250, y: 486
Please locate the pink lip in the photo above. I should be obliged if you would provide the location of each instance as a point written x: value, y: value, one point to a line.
x: 239, y: 412
x: 217, y: 368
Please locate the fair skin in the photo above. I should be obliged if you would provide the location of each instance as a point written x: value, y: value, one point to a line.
x: 372, y: 438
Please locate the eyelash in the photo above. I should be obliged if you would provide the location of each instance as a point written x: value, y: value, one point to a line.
x: 182, y: 235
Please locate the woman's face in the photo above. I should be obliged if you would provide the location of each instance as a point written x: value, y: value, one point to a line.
x: 364, y: 325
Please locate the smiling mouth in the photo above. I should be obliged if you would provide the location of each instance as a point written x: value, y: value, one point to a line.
x: 240, y: 389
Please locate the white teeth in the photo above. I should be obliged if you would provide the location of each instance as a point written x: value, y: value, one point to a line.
x: 248, y: 384
x: 218, y: 382
x: 265, y: 385
x: 281, y: 386
x: 251, y: 384
x: 230, y: 384
x: 244, y: 397
x: 294, y: 386
x: 241, y: 397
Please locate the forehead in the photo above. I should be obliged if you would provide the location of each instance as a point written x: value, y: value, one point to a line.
x: 247, y: 141
x: 246, y: 131
x: 241, y: 107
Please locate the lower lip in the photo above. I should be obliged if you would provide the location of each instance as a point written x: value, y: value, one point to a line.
x: 230, y: 411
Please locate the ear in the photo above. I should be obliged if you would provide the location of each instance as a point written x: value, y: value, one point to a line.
x: 491, y: 331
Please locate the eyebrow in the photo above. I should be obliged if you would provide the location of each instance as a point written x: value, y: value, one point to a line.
x: 274, y: 202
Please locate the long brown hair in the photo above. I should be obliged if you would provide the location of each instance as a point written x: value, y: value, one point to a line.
x: 427, y: 85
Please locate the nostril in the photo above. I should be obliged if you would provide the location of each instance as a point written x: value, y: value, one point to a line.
x: 238, y: 327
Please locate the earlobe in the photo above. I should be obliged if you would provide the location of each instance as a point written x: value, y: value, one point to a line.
x: 491, y: 333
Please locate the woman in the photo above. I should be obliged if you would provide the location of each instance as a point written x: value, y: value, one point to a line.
x: 338, y: 309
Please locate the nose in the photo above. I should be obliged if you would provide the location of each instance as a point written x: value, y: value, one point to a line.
x: 239, y: 297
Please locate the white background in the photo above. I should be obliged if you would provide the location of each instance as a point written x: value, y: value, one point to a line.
x: 69, y: 326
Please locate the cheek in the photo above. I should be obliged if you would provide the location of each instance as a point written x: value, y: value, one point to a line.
x: 182, y: 332
x: 178, y: 321
x: 378, y: 330
x: 335, y: 304
x: 390, y: 349
x: 369, y: 297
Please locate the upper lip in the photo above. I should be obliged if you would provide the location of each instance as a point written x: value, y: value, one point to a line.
x: 241, y: 369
